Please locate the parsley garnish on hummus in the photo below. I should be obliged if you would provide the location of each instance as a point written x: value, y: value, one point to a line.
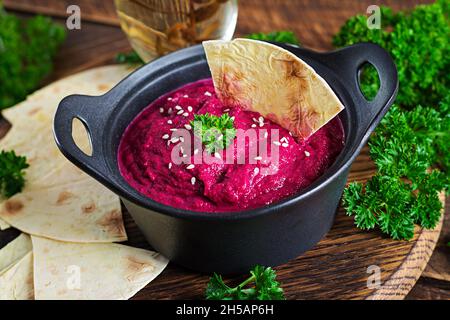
x: 216, y: 132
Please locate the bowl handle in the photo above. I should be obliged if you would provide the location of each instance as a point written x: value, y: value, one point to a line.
x: 347, y: 64
x: 80, y: 107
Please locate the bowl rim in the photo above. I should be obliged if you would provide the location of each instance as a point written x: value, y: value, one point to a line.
x: 338, y: 168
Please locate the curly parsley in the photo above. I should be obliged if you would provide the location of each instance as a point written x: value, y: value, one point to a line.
x: 277, y: 36
x: 264, y: 287
x: 12, y: 173
x: 26, y: 51
x: 216, y: 132
x: 411, y: 146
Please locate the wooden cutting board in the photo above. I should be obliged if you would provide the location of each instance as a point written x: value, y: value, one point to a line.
x: 336, y: 268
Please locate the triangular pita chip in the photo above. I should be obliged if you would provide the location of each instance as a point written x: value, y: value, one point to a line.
x: 85, y: 271
x: 4, y: 225
x: 14, y: 251
x: 60, y: 201
x: 268, y: 79
x: 16, y: 283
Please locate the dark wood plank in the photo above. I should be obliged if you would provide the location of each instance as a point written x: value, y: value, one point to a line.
x: 101, y: 11
x: 430, y: 289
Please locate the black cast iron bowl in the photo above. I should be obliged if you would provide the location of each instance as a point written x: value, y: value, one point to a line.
x: 228, y: 242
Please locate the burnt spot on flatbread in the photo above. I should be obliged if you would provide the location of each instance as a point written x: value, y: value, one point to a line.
x: 34, y: 111
x: 88, y: 207
x: 112, y: 223
x: 103, y: 87
x: 136, y: 267
x: 63, y: 197
x: 13, y: 207
x: 291, y: 68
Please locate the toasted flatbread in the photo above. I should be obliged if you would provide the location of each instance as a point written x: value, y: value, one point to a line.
x: 16, y: 283
x: 60, y: 201
x: 265, y: 78
x: 14, y: 251
x: 85, y: 271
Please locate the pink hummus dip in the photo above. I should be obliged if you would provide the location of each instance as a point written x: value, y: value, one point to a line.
x: 145, y: 157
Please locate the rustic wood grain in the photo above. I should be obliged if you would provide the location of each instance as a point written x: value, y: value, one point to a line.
x: 337, y: 267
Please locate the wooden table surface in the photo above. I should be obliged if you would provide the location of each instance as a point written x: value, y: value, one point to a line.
x: 314, y: 22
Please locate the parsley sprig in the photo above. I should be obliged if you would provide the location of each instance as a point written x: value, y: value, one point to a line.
x: 276, y: 36
x: 12, y: 173
x: 27, y: 48
x: 411, y: 146
x: 216, y: 132
x: 264, y: 287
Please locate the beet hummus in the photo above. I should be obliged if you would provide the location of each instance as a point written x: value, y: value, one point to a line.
x: 145, y: 160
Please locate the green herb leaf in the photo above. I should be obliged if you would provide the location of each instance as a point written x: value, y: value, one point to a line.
x: 411, y: 146
x: 277, y: 36
x: 261, y: 285
x: 27, y: 48
x: 11, y: 173
x: 131, y: 58
x: 216, y: 132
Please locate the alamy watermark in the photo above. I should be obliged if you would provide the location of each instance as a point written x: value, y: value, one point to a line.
x: 374, y: 20
x: 74, y: 20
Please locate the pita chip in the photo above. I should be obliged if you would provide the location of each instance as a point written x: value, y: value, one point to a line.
x: 268, y: 79
x: 85, y: 271
x: 59, y: 201
x: 16, y: 283
x: 14, y: 251
x: 4, y: 225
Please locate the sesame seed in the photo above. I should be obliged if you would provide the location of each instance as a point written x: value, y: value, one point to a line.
x: 261, y: 119
x: 258, y: 158
x: 174, y: 140
x: 290, y: 133
x: 277, y: 143
x: 307, y: 153
x: 170, y: 165
x: 188, y: 126
x: 165, y: 137
x: 173, y: 129
x: 254, y: 120
x: 266, y: 134
x: 261, y: 124
x: 180, y: 112
x: 181, y: 139
x: 284, y: 139
x: 189, y: 167
x: 178, y: 107
x: 232, y: 118
x: 217, y: 155
x: 190, y: 108
x: 226, y: 110
x: 256, y: 170
x: 169, y: 122
x: 195, y: 151
x: 285, y: 145
x: 185, y: 96
x: 207, y: 93
x: 185, y: 114
x: 193, y: 180
x: 168, y: 142
x: 169, y: 99
x: 253, y: 125
x: 184, y: 155
x: 161, y: 110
